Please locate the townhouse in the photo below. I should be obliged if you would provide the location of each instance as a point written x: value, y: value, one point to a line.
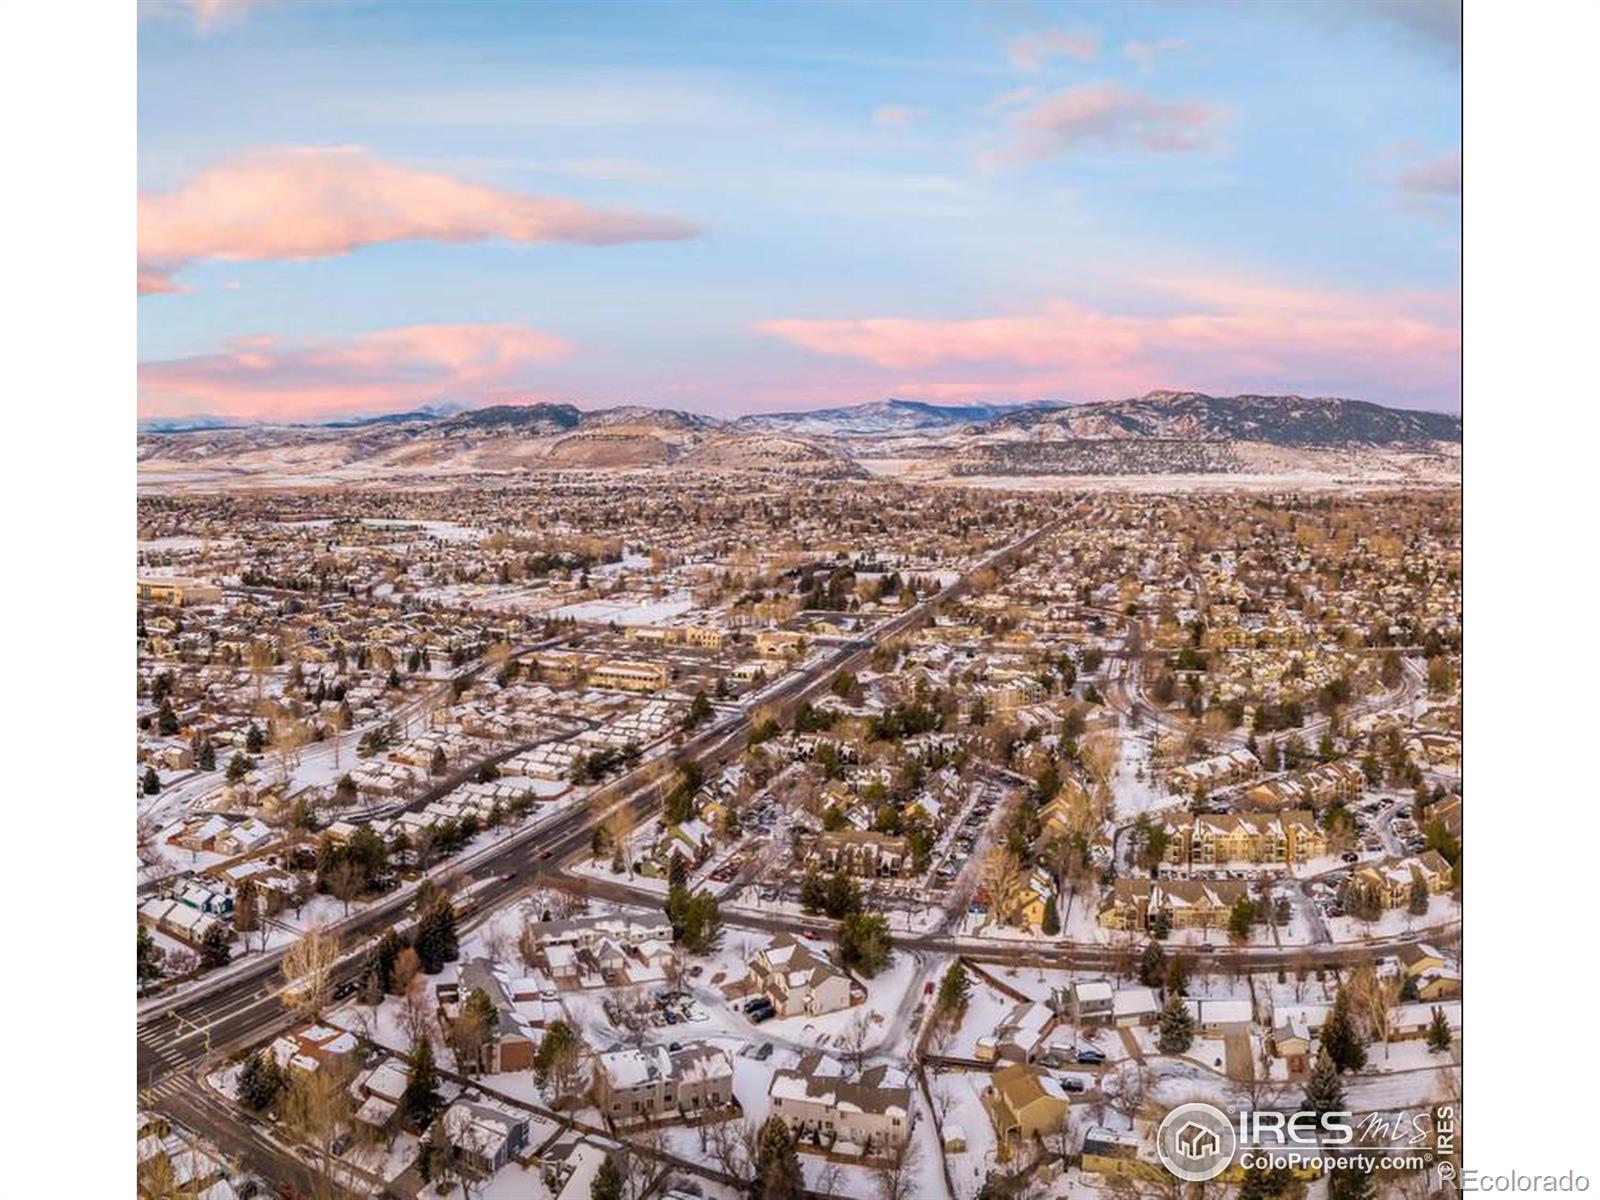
x: 863, y: 853
x: 869, y: 1114
x: 653, y: 1082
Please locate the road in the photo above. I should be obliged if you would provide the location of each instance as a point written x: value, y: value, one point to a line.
x: 241, y: 1006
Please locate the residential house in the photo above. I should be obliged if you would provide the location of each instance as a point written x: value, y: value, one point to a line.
x: 797, y: 980
x: 512, y: 1041
x: 1090, y: 1000
x: 485, y: 1135
x: 819, y: 1102
x: 1025, y: 1102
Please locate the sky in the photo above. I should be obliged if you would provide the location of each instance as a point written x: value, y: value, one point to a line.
x: 355, y: 206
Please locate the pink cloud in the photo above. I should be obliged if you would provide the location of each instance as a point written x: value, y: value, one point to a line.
x: 1031, y: 51
x: 1110, y: 116
x: 1217, y: 335
x: 314, y: 202
x: 1432, y: 177
x: 207, y: 15
x: 895, y: 116
x: 263, y: 377
x: 1143, y: 55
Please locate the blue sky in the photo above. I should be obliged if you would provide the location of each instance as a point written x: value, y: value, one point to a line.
x: 823, y: 203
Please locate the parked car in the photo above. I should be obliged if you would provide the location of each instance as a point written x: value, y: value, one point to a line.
x: 764, y: 1052
x: 1089, y: 1056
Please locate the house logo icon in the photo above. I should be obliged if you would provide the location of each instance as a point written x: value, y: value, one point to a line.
x: 1196, y: 1142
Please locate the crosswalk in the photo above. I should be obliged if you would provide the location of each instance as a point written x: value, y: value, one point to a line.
x: 156, y: 1057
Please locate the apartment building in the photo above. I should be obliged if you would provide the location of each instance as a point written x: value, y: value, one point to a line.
x: 1189, y: 903
x: 1213, y: 839
x: 1392, y: 878
x: 629, y: 676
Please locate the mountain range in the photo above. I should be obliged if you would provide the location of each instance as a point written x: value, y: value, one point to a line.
x: 1163, y: 432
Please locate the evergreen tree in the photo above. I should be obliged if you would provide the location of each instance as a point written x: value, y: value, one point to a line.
x: 777, y: 1166
x: 1438, y: 1032
x: 843, y: 896
x: 607, y: 1184
x: 420, y: 1100
x: 436, y: 939
x: 813, y: 891
x: 216, y: 948
x: 863, y: 942
x: 1177, y: 976
x: 699, y: 711
x: 151, y: 783
x: 1351, y: 1183
x: 238, y: 767
x: 1340, y: 1037
x: 383, y: 958
x: 954, y: 989
x: 1051, y: 925
x: 1152, y: 965
x: 255, y: 741
x: 1417, y: 901
x: 436, y: 762
x: 260, y: 1081
x: 1324, y: 1092
x: 1175, y: 1027
x: 1241, y: 917
x: 1266, y: 1183
x: 148, y: 957
x: 206, y: 756
x: 677, y: 873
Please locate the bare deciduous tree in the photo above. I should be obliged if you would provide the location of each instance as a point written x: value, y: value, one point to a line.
x: 897, y: 1173
x: 416, y: 1013
x: 731, y: 1146
x: 1002, y: 875
x: 308, y: 972
x: 345, y: 881
x: 1374, y: 997
x: 852, y: 1044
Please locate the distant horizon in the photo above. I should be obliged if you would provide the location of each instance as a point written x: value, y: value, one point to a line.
x: 444, y: 411
x: 741, y: 209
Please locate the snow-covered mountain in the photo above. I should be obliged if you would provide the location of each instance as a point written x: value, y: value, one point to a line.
x: 1275, y: 420
x: 883, y: 418
x: 1160, y: 433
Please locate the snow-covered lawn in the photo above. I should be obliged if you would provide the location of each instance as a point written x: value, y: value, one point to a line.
x: 1443, y: 912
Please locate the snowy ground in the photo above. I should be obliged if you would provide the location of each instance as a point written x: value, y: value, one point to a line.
x: 1443, y: 912
x: 627, y: 611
